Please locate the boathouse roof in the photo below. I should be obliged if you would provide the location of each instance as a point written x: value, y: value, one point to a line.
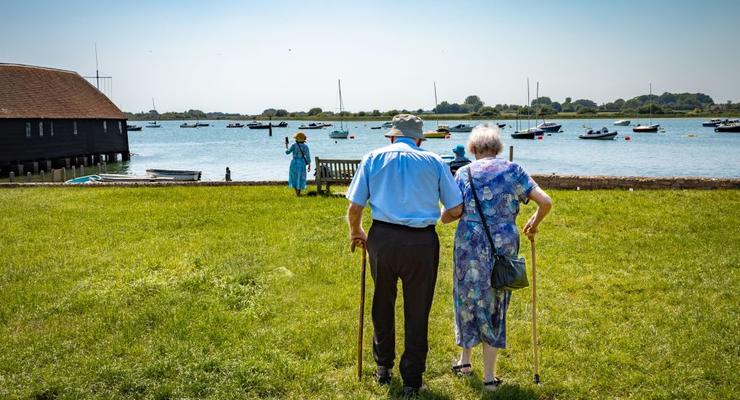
x: 28, y: 91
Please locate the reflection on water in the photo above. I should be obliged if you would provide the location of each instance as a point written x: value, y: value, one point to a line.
x: 685, y: 149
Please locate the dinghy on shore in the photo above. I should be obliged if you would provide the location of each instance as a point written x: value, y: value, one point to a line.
x: 178, y: 175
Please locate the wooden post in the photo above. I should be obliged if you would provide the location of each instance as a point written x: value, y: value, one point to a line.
x: 48, y: 165
x: 74, y: 172
x: 82, y: 170
x: 270, y: 128
x: 28, y: 177
x: 35, y: 167
x: 67, y: 162
x: 105, y: 167
x: 318, y: 176
x: 511, y: 153
x: 11, y: 176
x: 64, y: 174
x: 20, y: 169
x: 100, y: 168
x: 84, y: 161
x: 125, y: 156
x: 56, y: 175
x: 43, y: 176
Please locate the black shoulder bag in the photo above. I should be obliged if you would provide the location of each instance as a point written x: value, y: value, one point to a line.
x: 509, y: 273
x: 303, y: 155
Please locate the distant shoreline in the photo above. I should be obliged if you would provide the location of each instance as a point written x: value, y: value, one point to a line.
x: 442, y: 117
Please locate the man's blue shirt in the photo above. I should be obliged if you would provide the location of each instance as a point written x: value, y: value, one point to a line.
x: 404, y: 185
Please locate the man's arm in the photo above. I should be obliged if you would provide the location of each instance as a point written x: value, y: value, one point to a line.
x: 357, y: 235
x: 451, y: 214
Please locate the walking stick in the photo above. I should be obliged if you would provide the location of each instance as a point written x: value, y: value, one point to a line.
x: 534, y: 314
x: 362, y: 309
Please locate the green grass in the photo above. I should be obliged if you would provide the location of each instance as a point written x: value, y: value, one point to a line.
x: 247, y: 292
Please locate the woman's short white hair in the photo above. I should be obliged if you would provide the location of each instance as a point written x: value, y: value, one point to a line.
x: 485, y: 139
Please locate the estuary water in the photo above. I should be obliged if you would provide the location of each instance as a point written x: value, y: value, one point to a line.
x: 684, y: 149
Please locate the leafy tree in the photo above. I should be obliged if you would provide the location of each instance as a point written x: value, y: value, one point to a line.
x: 281, y: 113
x: 361, y: 114
x: 375, y: 113
x: 315, y: 111
x: 473, y: 102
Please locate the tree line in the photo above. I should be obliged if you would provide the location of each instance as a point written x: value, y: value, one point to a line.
x: 666, y: 103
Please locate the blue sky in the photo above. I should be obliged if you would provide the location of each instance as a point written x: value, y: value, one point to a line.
x: 245, y: 56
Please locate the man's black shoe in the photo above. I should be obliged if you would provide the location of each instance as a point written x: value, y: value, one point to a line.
x: 410, y: 392
x: 383, y: 375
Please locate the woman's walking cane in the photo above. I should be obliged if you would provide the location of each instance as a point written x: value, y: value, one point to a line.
x: 534, y: 313
x: 362, y: 309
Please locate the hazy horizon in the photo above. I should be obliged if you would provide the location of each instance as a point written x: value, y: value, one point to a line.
x: 244, y: 57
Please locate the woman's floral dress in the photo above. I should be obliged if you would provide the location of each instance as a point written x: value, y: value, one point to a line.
x: 297, y: 171
x: 480, y: 311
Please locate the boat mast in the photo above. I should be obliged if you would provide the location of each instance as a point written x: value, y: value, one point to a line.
x: 341, y: 105
x: 537, y: 98
x: 528, y: 105
x: 650, y: 98
x: 435, y: 101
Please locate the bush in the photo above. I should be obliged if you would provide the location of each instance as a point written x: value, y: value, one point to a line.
x: 315, y: 111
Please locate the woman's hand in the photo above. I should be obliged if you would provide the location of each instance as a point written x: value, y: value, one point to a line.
x: 530, y: 229
x: 309, y: 167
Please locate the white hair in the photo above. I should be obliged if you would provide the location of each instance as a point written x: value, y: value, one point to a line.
x: 485, y: 139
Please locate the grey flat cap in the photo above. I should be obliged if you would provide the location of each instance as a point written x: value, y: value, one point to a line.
x: 406, y: 125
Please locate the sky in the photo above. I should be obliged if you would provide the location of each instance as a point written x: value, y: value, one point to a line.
x: 246, y: 56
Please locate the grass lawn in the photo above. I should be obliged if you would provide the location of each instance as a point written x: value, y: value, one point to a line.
x: 246, y: 292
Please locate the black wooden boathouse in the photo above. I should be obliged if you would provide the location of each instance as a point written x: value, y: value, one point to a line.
x: 53, y: 118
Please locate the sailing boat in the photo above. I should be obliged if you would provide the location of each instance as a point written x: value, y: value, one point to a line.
x: 546, y: 126
x: 153, y: 124
x: 341, y: 133
x: 442, y: 131
x: 530, y: 132
x: 650, y: 127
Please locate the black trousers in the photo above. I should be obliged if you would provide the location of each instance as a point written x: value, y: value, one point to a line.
x: 411, y: 254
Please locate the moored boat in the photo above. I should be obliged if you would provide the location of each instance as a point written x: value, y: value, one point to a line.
x: 312, y: 125
x: 622, y: 122
x: 340, y: 133
x: 442, y: 132
x: 282, y: 124
x: 186, y: 125
x: 153, y: 124
x: 201, y: 124
x: 133, y: 128
x: 646, y: 128
x: 461, y: 128
x: 731, y: 127
x: 387, y: 124
x: 529, y: 133
x: 501, y: 125
x: 178, y: 175
x: 602, y: 134
x: 712, y: 123
x: 258, y: 126
x: 549, y: 127
x: 235, y: 125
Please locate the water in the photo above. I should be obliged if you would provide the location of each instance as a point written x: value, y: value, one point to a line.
x: 685, y: 149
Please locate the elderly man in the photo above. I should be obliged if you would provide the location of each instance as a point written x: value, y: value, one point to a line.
x: 404, y: 186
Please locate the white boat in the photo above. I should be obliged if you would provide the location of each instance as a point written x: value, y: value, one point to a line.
x: 549, y: 126
x: 622, y: 122
x: 83, y: 180
x: 602, y: 134
x: 651, y: 127
x: 186, y: 125
x: 340, y: 133
x: 153, y: 124
x: 387, y: 124
x: 132, y: 178
x: 312, y: 125
x: 178, y: 175
x: 461, y: 128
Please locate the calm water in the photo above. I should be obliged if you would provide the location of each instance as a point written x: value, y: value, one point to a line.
x: 685, y: 149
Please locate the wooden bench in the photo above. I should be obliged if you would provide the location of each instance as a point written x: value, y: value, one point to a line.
x: 338, y: 172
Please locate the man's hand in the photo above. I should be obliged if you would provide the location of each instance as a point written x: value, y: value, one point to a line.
x: 358, y: 239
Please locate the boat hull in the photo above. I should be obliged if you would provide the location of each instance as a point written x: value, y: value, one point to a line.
x: 727, y: 128
x: 550, y: 128
x: 599, y: 136
x: 134, y: 129
x: 622, y: 123
x: 645, y: 129
x: 259, y: 126
x: 339, y: 135
x: 178, y: 175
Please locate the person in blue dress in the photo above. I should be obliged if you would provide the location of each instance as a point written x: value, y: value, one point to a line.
x: 301, y: 159
x: 501, y: 186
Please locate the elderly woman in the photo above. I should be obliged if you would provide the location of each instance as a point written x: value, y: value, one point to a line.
x: 501, y: 186
x: 301, y: 159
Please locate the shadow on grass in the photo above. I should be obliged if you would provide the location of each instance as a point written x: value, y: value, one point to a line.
x: 395, y: 392
x: 505, y: 391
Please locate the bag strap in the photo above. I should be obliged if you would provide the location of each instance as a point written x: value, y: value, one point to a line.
x: 480, y: 211
x: 303, y: 155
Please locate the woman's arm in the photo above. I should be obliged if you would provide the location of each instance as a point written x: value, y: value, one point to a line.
x: 544, y: 205
x: 290, y: 150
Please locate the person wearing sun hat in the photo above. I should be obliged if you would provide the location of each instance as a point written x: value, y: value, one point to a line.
x: 460, y: 159
x: 301, y: 159
x: 403, y: 185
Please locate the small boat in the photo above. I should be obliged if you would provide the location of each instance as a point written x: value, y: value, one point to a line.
x: 235, y: 125
x: 549, y: 127
x: 325, y: 125
x: 254, y: 123
x: 133, y: 128
x: 602, y: 134
x: 283, y: 124
x: 622, y: 122
x: 461, y: 128
x: 258, y: 126
x: 712, y: 123
x: 312, y: 125
x: 340, y: 133
x: 132, y: 178
x: 200, y: 124
x: 376, y: 127
x: 646, y: 128
x: 178, y: 175
x: 501, y: 125
x: 529, y: 133
x: 83, y: 180
x: 387, y: 124
x: 153, y: 124
x: 442, y: 132
x: 186, y: 125
x: 731, y: 127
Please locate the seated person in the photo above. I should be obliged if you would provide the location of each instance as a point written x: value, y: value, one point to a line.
x: 460, y: 159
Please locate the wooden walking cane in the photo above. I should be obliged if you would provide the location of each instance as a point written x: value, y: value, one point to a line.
x: 362, y: 309
x: 534, y: 314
